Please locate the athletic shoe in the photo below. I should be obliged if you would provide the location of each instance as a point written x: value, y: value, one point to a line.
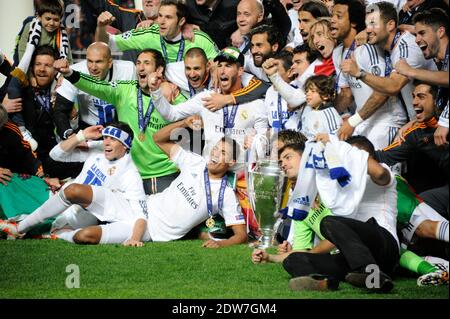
x: 313, y: 282
x: 359, y: 279
x: 10, y: 229
x: 435, y: 278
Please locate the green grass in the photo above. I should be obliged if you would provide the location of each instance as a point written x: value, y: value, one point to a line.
x: 181, y: 269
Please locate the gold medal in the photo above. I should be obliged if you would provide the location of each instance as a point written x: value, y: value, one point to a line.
x: 210, y: 222
x: 141, y: 136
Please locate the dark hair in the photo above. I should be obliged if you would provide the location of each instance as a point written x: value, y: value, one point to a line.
x: 157, y: 55
x: 324, y: 85
x: 434, y: 17
x: 311, y: 55
x: 317, y: 9
x: 387, y: 11
x: 433, y: 89
x: 234, y: 146
x: 122, y: 126
x: 52, y: 6
x: 356, y: 12
x: 363, y: 143
x: 195, y: 52
x: 273, y: 35
x: 181, y: 7
x: 44, y: 50
x: 285, y: 57
x: 296, y: 147
x: 291, y: 137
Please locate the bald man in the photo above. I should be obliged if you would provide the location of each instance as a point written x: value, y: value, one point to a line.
x: 91, y: 110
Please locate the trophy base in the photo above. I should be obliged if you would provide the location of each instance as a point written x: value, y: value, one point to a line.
x: 266, y: 240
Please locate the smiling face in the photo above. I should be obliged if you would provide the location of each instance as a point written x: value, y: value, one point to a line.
x: 305, y: 20
x: 196, y: 70
x: 229, y: 76
x: 340, y: 22
x: 221, y: 158
x: 43, y: 70
x: 376, y: 29
x: 248, y: 15
x: 289, y: 162
x: 423, y: 103
x: 50, y: 21
x: 113, y: 148
x: 169, y: 25
x: 427, y: 39
x: 261, y: 48
x: 145, y: 65
x: 321, y: 40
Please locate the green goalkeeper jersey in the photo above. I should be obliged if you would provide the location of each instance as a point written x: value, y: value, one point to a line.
x: 304, y: 230
x: 141, y: 39
x: 148, y: 157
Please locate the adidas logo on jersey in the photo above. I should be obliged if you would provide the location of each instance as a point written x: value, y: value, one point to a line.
x: 302, y: 200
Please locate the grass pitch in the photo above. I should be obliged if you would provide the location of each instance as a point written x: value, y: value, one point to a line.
x: 174, y: 270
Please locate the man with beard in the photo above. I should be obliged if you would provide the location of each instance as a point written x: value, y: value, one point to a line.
x: 381, y: 27
x: 308, y: 13
x: 382, y: 116
x: 127, y: 19
x: 265, y: 42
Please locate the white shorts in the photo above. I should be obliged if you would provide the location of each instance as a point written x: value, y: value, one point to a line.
x: 380, y: 135
x: 420, y: 214
x: 109, y: 206
x: 74, y: 217
x: 118, y: 232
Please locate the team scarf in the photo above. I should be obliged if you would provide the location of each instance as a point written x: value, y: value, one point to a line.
x: 34, y: 36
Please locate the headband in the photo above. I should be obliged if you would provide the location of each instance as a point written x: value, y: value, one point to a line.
x: 118, y: 134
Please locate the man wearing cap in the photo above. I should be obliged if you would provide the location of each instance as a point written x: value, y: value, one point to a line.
x: 235, y: 121
x: 109, y: 186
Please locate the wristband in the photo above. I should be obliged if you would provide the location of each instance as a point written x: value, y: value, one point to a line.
x: 80, y: 136
x: 355, y: 120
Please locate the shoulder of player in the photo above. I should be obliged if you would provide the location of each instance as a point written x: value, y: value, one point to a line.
x: 114, y: 83
x: 198, y: 34
x: 152, y: 30
x: 367, y: 54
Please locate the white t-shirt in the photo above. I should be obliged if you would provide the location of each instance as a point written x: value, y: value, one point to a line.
x: 407, y: 48
x: 250, y: 67
x: 182, y: 205
x: 369, y: 58
x: 175, y: 73
x: 119, y: 176
x: 91, y: 109
x: 379, y: 202
x: 249, y: 117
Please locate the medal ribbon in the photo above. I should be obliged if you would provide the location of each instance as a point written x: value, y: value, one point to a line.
x: 228, y: 122
x: 164, y: 49
x: 387, y: 54
x: 143, y: 122
x: 223, y: 185
x: 349, y: 53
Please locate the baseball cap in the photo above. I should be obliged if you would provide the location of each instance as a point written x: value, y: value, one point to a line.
x: 231, y: 54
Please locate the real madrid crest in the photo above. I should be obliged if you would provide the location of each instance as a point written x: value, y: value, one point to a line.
x: 244, y: 115
x: 375, y: 70
x: 111, y: 170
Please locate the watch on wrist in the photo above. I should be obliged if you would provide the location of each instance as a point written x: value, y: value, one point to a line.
x: 67, y: 133
x: 362, y: 75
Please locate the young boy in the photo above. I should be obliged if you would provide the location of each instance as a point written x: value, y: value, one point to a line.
x: 45, y: 29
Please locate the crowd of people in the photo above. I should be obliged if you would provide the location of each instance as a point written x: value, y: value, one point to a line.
x: 350, y: 97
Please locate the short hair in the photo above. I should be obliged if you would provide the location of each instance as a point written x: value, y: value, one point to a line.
x: 433, y: 89
x: 356, y: 12
x: 363, y: 142
x: 386, y: 9
x: 316, y: 8
x: 234, y: 146
x: 273, y: 34
x: 311, y: 55
x: 291, y: 137
x: 435, y: 17
x: 285, y: 57
x: 325, y: 23
x: 195, y: 52
x: 52, y: 6
x: 296, y: 147
x: 44, y: 50
x: 324, y: 85
x: 157, y: 56
x: 181, y: 7
x: 3, y: 116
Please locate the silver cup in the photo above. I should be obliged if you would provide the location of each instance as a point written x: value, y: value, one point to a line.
x: 265, y: 188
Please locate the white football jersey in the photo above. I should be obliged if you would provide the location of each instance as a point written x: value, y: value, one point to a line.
x: 91, y: 109
x: 322, y: 121
x: 369, y: 58
x: 119, y: 176
x: 271, y: 102
x: 407, y: 48
x: 182, y: 205
x: 250, y: 67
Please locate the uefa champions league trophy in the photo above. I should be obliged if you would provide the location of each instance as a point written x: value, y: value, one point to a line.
x: 265, y: 187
